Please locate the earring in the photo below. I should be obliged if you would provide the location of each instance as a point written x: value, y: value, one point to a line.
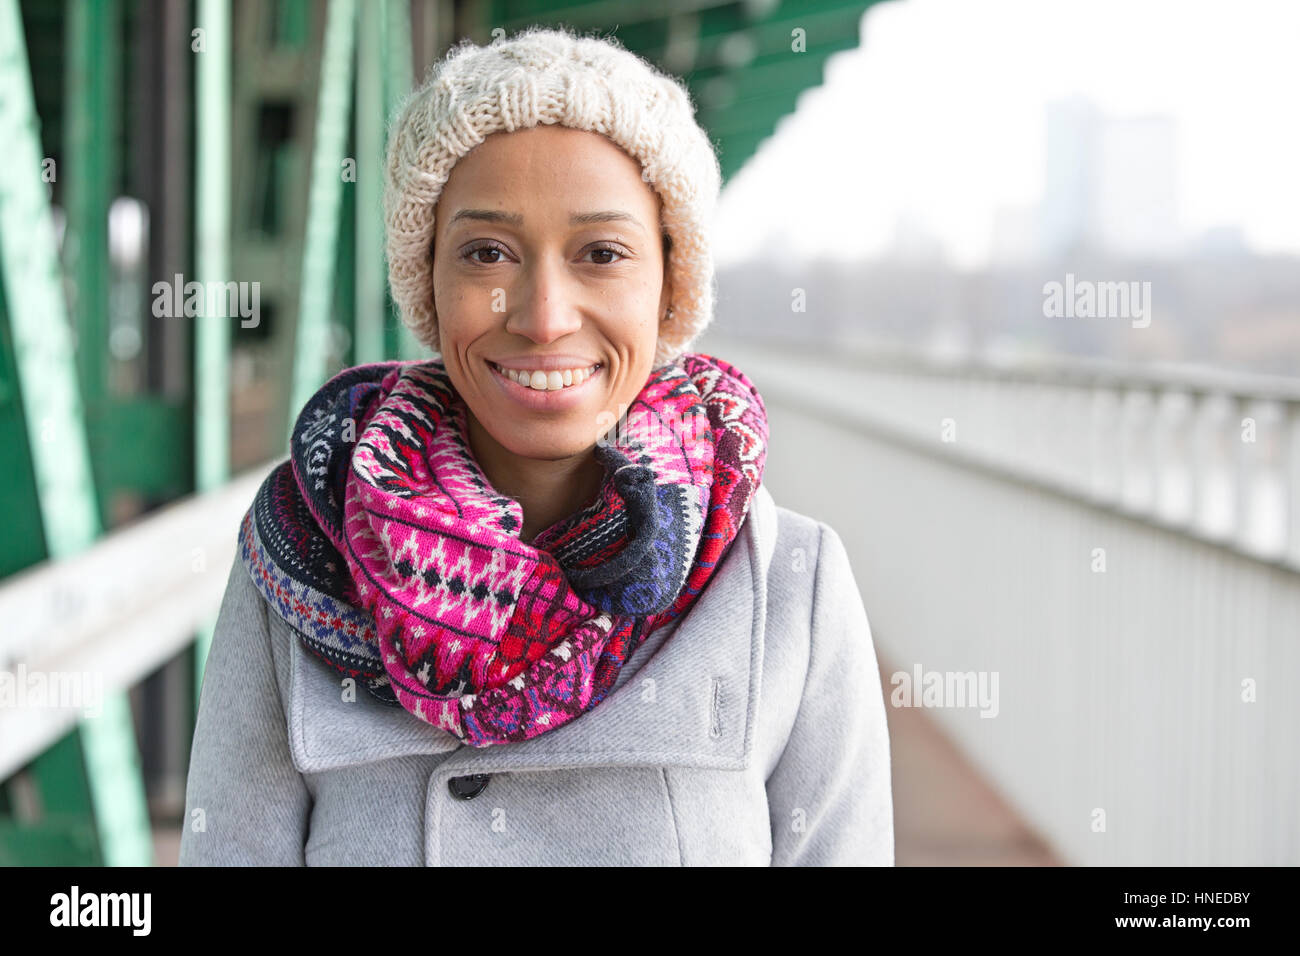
x: 668, y: 315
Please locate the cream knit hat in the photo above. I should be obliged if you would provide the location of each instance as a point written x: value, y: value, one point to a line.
x: 552, y: 76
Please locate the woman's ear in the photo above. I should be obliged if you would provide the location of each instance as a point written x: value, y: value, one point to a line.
x: 666, y: 297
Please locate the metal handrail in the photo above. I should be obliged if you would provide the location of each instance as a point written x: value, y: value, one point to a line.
x: 1107, y: 433
x: 1189, y: 377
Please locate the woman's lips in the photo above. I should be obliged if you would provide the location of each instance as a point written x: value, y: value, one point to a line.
x: 558, y: 399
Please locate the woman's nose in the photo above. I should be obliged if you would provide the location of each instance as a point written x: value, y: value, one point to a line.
x: 546, y: 310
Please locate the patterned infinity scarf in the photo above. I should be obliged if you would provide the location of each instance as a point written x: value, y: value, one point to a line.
x: 384, y: 545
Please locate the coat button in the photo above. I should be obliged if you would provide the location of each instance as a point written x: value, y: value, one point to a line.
x: 467, y: 788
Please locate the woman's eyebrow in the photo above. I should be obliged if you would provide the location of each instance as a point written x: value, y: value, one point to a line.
x: 488, y: 215
x: 517, y: 219
x: 610, y: 215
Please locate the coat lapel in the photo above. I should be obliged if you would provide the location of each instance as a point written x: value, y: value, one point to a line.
x: 693, y: 702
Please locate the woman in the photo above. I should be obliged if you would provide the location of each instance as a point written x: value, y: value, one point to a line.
x: 529, y: 603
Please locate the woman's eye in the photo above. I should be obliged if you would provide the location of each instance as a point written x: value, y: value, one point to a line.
x: 475, y: 254
x: 484, y: 249
x: 605, y: 250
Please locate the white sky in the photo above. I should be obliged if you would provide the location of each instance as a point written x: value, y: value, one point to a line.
x: 939, y: 115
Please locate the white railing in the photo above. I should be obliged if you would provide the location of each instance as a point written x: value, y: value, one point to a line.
x: 106, y: 618
x: 1214, y: 454
x: 1104, y: 541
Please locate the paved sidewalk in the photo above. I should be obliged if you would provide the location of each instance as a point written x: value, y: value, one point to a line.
x: 945, y: 812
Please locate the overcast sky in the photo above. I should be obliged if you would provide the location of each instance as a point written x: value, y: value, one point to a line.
x: 938, y: 116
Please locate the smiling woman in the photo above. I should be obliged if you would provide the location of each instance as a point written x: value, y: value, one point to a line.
x: 546, y: 555
x: 547, y: 259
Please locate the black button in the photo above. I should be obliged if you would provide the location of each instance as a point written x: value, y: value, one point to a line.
x: 467, y: 788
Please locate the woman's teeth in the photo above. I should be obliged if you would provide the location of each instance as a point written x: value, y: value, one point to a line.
x: 548, y: 381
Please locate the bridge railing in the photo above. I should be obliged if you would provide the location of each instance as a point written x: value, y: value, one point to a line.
x: 1212, y: 453
x: 1112, y: 551
x: 79, y: 628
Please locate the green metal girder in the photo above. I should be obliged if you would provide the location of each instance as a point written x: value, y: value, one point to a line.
x: 57, y: 840
x: 645, y: 29
x: 755, y: 112
x: 344, y: 304
x: 367, y: 191
x: 775, y: 75
x: 212, y: 244
x: 396, y: 39
x: 117, y: 786
x: 384, y: 76
x: 42, y: 341
x: 820, y: 20
x: 126, y: 439
x: 64, y: 834
x: 383, y: 80
x: 291, y: 22
x: 24, y: 533
x: 312, y: 335
x: 398, y: 81
x: 47, y: 364
x: 739, y: 147
x: 212, y: 251
x: 743, y: 73
x: 61, y: 779
x: 90, y: 165
x: 512, y: 14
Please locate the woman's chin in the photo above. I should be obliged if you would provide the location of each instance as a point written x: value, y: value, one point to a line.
x: 529, y: 444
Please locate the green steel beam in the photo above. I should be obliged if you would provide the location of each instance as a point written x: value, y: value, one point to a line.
x: 733, y: 50
x: 398, y: 81
x: 212, y: 215
x: 397, y: 54
x: 109, y: 750
x: 212, y: 251
x: 90, y: 163
x: 116, y: 781
x: 717, y: 89
x: 737, y: 149
x: 46, y: 364
x: 344, y: 303
x: 368, y: 340
x: 42, y: 340
x: 64, y: 834
x: 57, y: 840
x: 599, y: 13
x: 312, y: 335
x: 773, y: 30
x: 24, y: 537
x: 129, y: 440
x: 291, y: 22
x: 753, y: 112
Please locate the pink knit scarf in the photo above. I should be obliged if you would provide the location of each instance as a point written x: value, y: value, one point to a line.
x: 443, y: 607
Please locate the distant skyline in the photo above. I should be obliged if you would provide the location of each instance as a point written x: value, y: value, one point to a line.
x: 937, y: 121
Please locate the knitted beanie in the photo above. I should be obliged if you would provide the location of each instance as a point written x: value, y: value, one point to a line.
x: 552, y: 76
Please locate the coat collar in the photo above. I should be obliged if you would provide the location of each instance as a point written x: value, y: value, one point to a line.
x: 692, y: 702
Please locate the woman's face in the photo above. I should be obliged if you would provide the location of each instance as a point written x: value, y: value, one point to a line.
x: 548, y: 260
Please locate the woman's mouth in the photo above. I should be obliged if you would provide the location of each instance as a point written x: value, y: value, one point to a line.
x: 542, y: 389
x: 543, y: 381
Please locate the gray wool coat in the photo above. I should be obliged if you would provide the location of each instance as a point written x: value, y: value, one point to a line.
x: 751, y: 731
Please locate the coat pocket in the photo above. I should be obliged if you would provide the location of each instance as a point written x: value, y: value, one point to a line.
x: 721, y: 816
x: 597, y: 816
